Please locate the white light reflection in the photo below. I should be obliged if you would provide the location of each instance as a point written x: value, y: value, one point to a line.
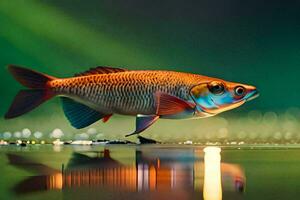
x: 212, y: 189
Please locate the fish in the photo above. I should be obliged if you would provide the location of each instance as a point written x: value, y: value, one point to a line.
x: 102, y: 91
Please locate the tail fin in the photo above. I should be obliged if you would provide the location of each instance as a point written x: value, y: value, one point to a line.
x: 27, y: 100
x: 30, y: 78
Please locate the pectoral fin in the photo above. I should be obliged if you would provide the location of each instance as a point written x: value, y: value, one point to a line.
x: 171, y: 105
x: 143, y: 122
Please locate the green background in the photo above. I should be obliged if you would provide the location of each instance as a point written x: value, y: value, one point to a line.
x: 254, y: 42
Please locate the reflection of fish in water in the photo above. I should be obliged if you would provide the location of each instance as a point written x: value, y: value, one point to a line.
x: 100, y: 92
x: 152, y: 171
x: 82, y: 170
x: 42, y: 181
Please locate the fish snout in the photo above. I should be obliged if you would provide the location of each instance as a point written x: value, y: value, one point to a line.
x: 252, y: 93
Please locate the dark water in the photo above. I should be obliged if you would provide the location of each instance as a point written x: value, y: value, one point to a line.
x: 148, y: 172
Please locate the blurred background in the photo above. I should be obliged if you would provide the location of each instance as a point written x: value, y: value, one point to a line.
x: 252, y: 42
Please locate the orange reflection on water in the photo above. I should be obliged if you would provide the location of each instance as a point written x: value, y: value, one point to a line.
x: 118, y: 177
x: 152, y: 175
x: 55, y: 181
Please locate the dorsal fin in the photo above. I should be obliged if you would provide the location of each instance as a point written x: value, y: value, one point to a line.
x: 101, y: 70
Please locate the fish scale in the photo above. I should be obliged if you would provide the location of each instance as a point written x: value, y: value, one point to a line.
x: 130, y: 92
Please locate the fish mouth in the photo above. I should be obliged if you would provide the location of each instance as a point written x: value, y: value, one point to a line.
x: 223, y: 107
x: 252, y: 95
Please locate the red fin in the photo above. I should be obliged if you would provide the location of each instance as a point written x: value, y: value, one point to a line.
x: 27, y: 100
x: 29, y: 78
x: 106, y: 118
x: 101, y: 70
x: 170, y: 105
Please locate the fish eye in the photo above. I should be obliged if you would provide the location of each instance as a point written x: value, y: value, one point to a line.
x: 216, y: 88
x: 239, y: 91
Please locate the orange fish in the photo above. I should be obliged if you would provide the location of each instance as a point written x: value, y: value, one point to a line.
x: 147, y: 94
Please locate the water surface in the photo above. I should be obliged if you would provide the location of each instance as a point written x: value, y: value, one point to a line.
x: 149, y: 172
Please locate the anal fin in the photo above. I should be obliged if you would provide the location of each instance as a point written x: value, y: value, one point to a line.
x: 79, y: 115
x: 143, y: 122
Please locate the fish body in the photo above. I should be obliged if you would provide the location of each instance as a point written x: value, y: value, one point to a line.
x: 127, y: 93
x: 148, y: 94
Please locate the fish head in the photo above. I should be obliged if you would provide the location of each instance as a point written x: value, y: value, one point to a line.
x: 216, y: 96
